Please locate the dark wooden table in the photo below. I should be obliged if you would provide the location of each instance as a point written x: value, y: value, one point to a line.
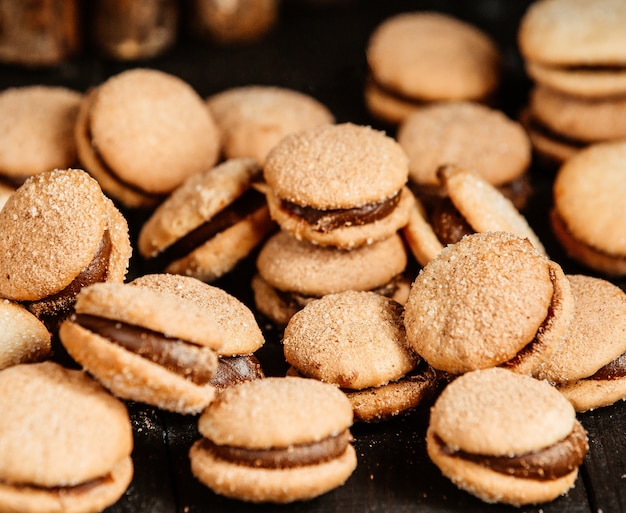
x: 320, y: 51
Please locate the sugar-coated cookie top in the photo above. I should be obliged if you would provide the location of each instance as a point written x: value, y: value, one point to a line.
x: 498, y: 412
x: 562, y: 32
x: 59, y: 427
x: 276, y: 412
x: 336, y: 166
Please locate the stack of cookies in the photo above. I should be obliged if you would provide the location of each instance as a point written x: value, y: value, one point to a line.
x: 574, y: 52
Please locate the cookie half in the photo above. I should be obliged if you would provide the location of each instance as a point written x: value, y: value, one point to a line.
x: 506, y: 438
x: 60, y: 233
x: 23, y: 337
x: 66, y: 442
x: 492, y: 299
x: 209, y: 223
x: 261, y: 445
x: 145, y: 345
x: 340, y: 185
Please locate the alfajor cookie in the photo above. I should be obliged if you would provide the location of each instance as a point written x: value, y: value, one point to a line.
x: 491, y: 299
x: 23, y: 337
x: 357, y: 341
x: 37, y: 127
x: 66, y: 442
x: 419, y: 57
x: 142, y: 132
x: 506, y: 438
x: 588, y: 213
x: 469, y: 135
x: 209, y: 223
x: 145, y: 345
x: 471, y: 205
x: 340, y: 185
x: 275, y: 440
x: 292, y: 273
x: 253, y: 119
x: 588, y: 366
x: 59, y: 233
x: 242, y: 335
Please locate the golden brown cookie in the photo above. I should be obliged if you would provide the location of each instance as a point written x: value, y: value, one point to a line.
x: 262, y: 444
x: 506, y: 438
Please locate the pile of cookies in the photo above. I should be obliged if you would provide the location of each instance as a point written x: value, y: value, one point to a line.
x: 399, y: 271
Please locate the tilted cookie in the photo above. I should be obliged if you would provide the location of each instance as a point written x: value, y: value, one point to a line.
x: 142, y: 132
x: 66, y: 442
x: 145, y: 345
x: 209, y: 223
x: 491, y: 299
x: 357, y: 341
x: 242, y: 335
x: 506, y: 438
x: 292, y: 273
x: 589, y: 365
x: 275, y: 440
x: 471, y: 205
x: 59, y: 233
x: 339, y: 185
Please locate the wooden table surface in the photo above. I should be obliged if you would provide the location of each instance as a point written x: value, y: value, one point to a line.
x: 320, y: 51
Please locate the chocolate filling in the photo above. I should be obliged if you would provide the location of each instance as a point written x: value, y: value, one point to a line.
x: 448, y: 223
x: 236, y: 369
x: 13, y: 181
x: 539, y: 127
x: 285, y: 457
x: 193, y: 362
x: 79, y: 488
x: 248, y: 203
x: 600, y: 68
x: 327, y: 220
x: 552, y: 462
x: 613, y: 370
x: 55, y: 307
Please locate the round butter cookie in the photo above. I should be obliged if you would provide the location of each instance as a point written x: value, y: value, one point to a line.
x: 292, y: 273
x: 506, y: 438
x: 275, y: 440
x: 142, y: 132
x: 422, y: 57
x: 242, y: 335
x: 588, y: 214
x: 589, y: 365
x: 145, y: 345
x: 59, y: 233
x: 253, y: 119
x: 23, y: 337
x: 491, y: 299
x: 66, y: 443
x: 340, y: 185
x: 209, y: 223
x: 357, y: 341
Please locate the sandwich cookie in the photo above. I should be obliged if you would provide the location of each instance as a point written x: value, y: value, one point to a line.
x: 66, y: 443
x: 589, y: 366
x: 209, y: 223
x: 145, y: 345
x: 506, y: 438
x: 242, y: 335
x: 469, y: 135
x: 275, y: 440
x: 141, y: 133
x: 37, y: 127
x: 420, y: 57
x: 491, y: 299
x: 292, y: 273
x: 339, y: 185
x: 59, y: 233
x: 588, y: 216
x: 253, y: 119
x: 23, y: 337
x: 471, y: 205
x: 357, y: 341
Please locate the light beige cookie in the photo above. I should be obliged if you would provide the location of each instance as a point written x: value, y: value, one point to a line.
x: 23, y: 337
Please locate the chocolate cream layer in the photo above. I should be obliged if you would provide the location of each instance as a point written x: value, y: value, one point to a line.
x: 613, y: 370
x: 283, y: 457
x: 553, y: 462
x: 191, y: 361
x: 236, y: 369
